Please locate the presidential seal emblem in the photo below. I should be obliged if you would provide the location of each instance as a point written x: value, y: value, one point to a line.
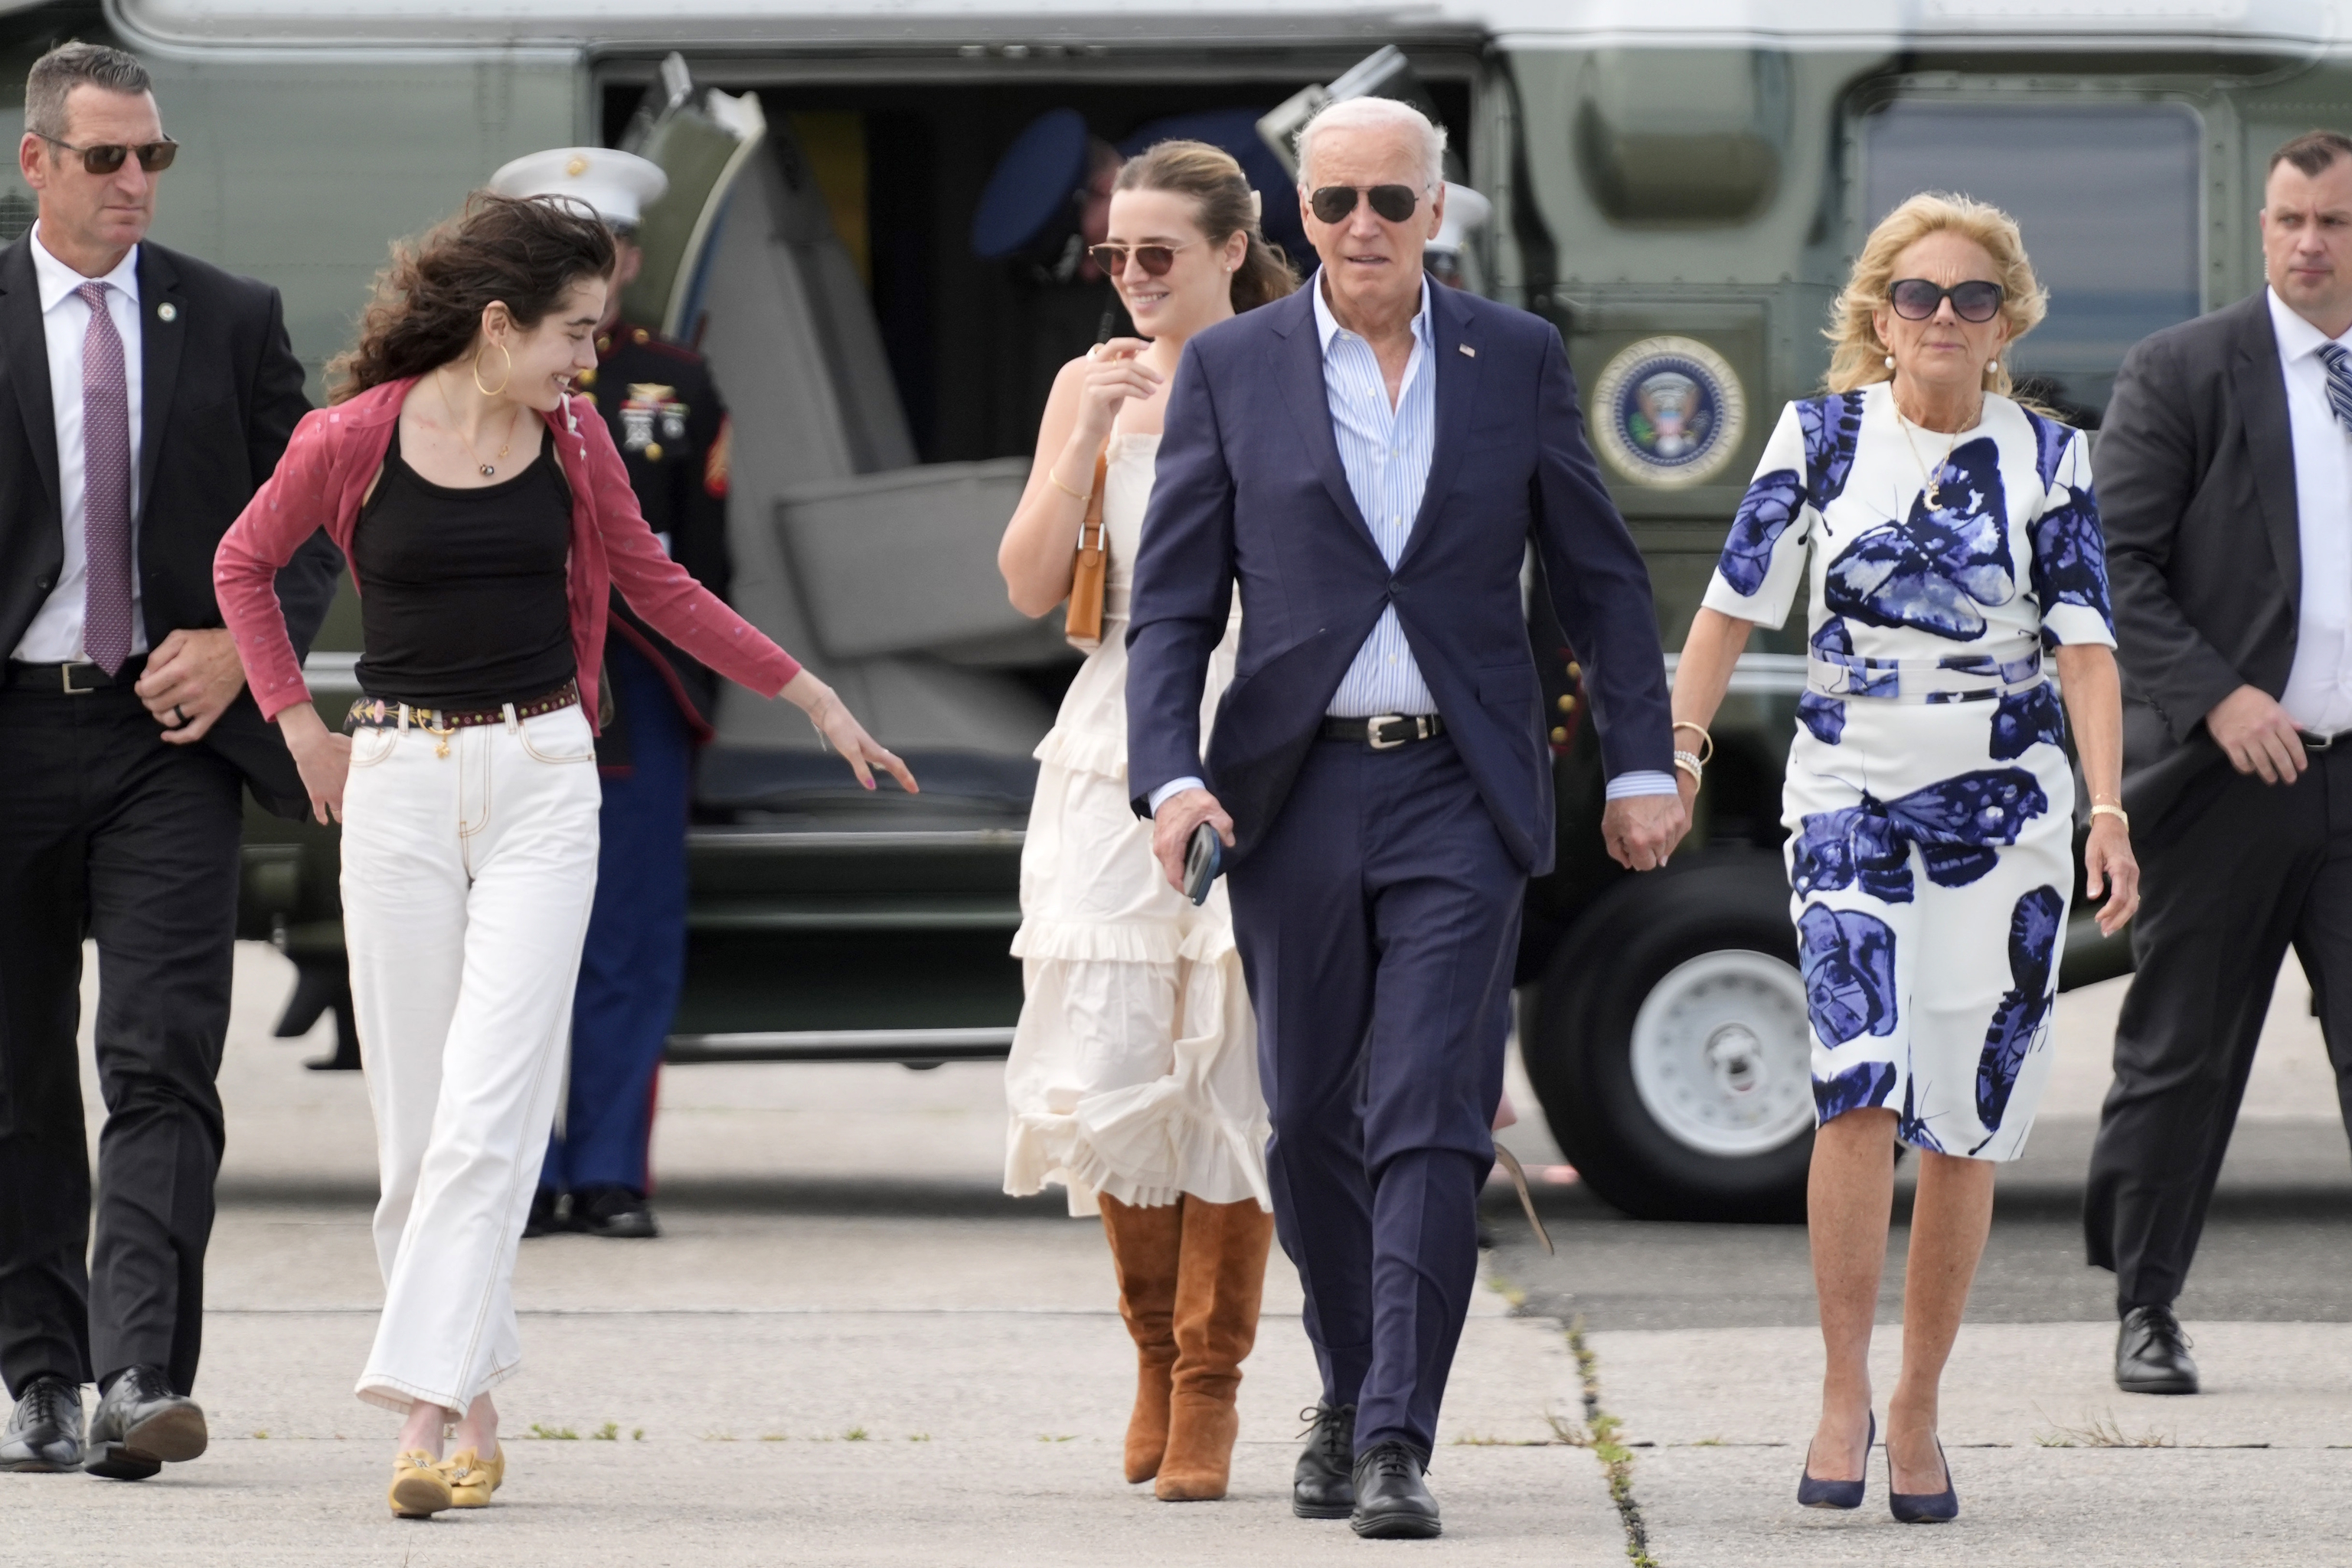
x: 1668, y: 411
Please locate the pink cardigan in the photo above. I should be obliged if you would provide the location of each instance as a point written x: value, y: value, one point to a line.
x: 332, y: 459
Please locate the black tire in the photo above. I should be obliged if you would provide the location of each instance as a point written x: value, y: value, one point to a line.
x: 1578, y: 1046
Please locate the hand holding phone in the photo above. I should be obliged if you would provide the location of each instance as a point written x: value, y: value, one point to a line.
x: 1204, y: 856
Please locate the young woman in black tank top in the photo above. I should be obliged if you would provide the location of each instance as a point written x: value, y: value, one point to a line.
x: 486, y: 524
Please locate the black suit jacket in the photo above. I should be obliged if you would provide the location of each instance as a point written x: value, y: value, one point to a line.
x: 220, y: 392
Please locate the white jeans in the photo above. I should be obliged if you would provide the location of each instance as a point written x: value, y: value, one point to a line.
x: 467, y: 881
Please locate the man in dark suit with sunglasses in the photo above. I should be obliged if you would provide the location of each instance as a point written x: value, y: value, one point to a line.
x: 1368, y: 460
x: 143, y: 396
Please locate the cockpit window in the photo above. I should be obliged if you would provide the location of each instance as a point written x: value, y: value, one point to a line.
x: 2107, y: 197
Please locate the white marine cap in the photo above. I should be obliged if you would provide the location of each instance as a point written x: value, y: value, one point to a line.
x: 618, y: 186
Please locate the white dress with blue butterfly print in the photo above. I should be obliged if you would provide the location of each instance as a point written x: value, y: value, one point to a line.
x: 1929, y: 800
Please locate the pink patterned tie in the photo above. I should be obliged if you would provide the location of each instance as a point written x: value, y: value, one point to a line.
x: 106, y: 488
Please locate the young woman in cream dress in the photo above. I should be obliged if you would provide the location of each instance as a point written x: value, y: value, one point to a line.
x: 1133, y: 1079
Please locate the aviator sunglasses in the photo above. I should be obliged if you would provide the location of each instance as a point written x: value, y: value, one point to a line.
x: 1155, y: 259
x: 1331, y: 203
x: 1916, y: 299
x: 108, y: 157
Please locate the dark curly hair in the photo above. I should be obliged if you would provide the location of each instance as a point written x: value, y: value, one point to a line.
x: 526, y: 252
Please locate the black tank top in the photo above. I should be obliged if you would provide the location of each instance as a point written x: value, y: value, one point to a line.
x: 463, y: 601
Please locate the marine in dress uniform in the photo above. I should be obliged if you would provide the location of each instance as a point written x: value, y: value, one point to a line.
x: 664, y: 410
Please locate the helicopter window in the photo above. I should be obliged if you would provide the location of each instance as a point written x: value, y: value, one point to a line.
x: 2107, y: 197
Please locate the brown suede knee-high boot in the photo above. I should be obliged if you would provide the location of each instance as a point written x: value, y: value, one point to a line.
x: 1218, y: 1289
x: 1146, y: 1245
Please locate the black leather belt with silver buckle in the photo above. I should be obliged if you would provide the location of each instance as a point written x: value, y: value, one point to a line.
x: 75, y: 678
x: 1385, y: 732
x: 2311, y: 742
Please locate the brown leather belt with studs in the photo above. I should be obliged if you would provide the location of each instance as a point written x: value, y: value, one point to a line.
x: 375, y: 713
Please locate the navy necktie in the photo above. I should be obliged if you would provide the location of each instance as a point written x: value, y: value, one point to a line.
x: 2339, y: 382
x: 106, y: 488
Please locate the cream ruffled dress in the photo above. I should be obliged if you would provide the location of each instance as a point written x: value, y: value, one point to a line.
x: 1134, y: 1069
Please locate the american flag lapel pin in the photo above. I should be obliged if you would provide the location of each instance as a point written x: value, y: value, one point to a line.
x: 1467, y: 352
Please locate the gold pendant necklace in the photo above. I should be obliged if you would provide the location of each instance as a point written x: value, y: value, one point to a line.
x: 486, y: 471
x: 1935, y: 481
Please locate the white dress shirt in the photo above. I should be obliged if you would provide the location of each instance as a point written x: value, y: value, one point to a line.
x: 2318, y: 695
x: 55, y: 634
x: 1386, y: 451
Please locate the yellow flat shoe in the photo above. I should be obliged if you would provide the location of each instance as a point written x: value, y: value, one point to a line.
x: 419, y: 1490
x: 472, y: 1480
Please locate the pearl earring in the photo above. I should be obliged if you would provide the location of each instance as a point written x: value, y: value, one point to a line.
x: 1890, y: 361
x: 1993, y: 367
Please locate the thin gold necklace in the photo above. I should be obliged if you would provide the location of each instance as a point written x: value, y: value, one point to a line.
x: 489, y: 470
x: 1933, y: 481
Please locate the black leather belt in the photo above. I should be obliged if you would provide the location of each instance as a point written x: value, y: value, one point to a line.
x: 75, y: 678
x: 1385, y: 732
x: 2311, y: 742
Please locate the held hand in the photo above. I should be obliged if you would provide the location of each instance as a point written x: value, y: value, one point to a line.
x: 2109, y: 868
x: 838, y: 729
x: 1113, y: 375
x: 1173, y: 825
x: 190, y: 681
x: 1642, y: 830
x: 2259, y: 736
x: 322, y: 757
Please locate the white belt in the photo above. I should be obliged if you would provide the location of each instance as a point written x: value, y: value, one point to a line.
x: 1978, y: 677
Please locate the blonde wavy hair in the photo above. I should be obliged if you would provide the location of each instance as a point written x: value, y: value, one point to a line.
x: 1857, y: 357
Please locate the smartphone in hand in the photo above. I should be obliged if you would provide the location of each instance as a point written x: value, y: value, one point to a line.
x: 1204, y: 856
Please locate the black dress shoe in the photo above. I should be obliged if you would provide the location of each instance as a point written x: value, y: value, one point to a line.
x: 2152, y: 1354
x: 141, y: 1426
x: 44, y: 1435
x: 543, y: 1220
x: 1392, y: 1503
x: 1324, y: 1484
x: 612, y: 1212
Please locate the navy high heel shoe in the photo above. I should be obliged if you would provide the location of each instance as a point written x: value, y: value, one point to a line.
x: 1923, y: 1508
x: 1814, y: 1492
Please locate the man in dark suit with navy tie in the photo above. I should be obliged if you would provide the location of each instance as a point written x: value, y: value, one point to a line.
x: 1367, y: 460
x: 143, y: 396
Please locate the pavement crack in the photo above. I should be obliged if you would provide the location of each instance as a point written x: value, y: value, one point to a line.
x: 1616, y: 1459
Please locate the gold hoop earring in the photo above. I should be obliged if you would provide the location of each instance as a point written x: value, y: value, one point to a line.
x: 492, y: 391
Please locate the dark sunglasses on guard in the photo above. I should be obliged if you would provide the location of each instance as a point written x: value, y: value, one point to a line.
x: 108, y: 157
x: 1916, y: 299
x: 1332, y: 204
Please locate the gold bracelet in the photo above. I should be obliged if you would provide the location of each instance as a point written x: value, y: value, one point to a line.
x: 2109, y: 808
x: 1055, y: 479
x: 1705, y: 739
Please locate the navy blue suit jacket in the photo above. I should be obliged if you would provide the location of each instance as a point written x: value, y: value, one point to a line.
x: 1249, y: 490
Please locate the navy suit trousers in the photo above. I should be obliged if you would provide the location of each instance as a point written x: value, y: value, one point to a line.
x: 1376, y: 921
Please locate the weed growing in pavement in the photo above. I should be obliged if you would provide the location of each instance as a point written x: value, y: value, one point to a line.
x: 1707, y: 1443
x: 2100, y: 1432
x: 773, y: 1437
x: 1616, y: 1459
x: 918, y: 1436
x: 636, y: 1435
x: 262, y: 1436
x: 1064, y: 1437
x: 719, y: 1436
x: 854, y: 1435
x: 610, y: 1432
x: 546, y: 1433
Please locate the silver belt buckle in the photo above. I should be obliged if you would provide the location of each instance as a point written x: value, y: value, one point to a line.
x: 2311, y: 742
x: 1372, y: 732
x: 65, y: 677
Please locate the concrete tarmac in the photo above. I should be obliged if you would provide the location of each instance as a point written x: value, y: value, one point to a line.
x: 849, y: 1348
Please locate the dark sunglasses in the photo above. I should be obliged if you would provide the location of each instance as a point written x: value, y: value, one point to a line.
x: 1156, y: 259
x: 108, y: 157
x: 1395, y: 203
x: 1916, y: 299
